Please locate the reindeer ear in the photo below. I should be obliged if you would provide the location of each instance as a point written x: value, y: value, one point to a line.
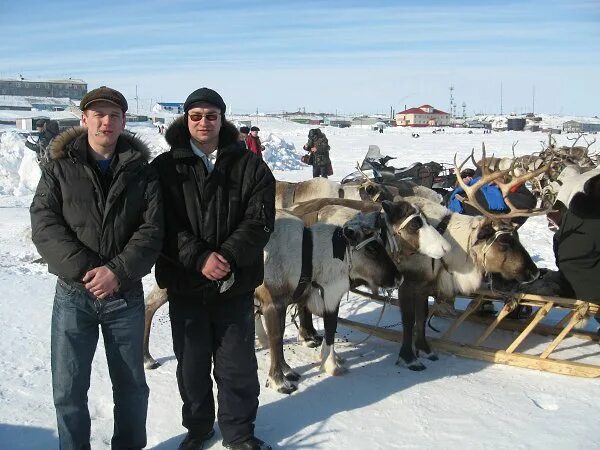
x: 387, y: 207
x: 486, y: 231
x: 371, y: 189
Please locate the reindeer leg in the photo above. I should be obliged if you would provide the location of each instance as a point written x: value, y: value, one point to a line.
x: 155, y: 299
x: 330, y: 362
x: 407, y: 355
x: 274, y: 318
x: 421, y: 344
x: 260, y: 331
x: 308, y: 334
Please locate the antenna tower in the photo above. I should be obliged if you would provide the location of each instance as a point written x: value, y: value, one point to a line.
x: 452, y: 103
x: 464, y: 107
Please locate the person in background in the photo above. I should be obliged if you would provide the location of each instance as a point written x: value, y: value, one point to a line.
x: 318, y: 148
x: 467, y: 175
x: 253, y: 142
x: 219, y: 214
x: 490, y: 197
x: 97, y: 219
x: 48, y: 130
x: 244, y: 132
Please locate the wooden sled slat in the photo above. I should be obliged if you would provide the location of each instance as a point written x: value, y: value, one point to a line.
x: 470, y: 309
x: 577, y: 317
x: 505, y: 311
x: 542, y: 312
x: 562, y: 367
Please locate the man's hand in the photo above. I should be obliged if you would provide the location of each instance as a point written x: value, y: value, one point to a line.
x: 215, y: 267
x: 101, y: 282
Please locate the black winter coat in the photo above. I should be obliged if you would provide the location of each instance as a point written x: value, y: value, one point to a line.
x: 76, y: 228
x: 230, y: 211
x: 577, y: 246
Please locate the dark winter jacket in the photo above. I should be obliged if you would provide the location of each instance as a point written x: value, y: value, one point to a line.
x: 320, y: 157
x: 577, y: 245
x: 75, y: 227
x: 230, y: 211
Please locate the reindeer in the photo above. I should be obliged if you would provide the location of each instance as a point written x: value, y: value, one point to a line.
x: 479, y: 245
x: 315, y: 266
x: 283, y: 278
x: 288, y: 194
x: 409, y: 235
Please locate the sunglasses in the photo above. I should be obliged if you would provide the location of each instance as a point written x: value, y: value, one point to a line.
x: 196, y: 117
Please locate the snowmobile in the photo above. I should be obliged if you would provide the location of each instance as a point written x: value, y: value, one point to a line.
x: 437, y: 176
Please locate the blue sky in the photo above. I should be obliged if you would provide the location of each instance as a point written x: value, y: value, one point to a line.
x: 344, y: 56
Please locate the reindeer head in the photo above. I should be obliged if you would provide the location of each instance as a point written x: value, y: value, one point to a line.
x: 370, y: 264
x: 412, y: 231
x: 497, y: 249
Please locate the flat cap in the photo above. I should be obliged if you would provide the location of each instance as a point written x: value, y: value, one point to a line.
x: 104, y: 94
x: 204, y: 95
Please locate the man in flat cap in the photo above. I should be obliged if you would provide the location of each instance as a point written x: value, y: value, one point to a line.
x: 253, y: 142
x: 97, y: 220
x: 219, y: 211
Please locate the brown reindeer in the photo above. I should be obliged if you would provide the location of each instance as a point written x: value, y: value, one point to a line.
x: 480, y: 245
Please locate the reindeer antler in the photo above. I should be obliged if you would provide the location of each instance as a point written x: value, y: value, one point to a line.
x: 497, y: 176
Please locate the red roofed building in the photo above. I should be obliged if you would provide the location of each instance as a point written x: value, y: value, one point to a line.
x: 423, y: 116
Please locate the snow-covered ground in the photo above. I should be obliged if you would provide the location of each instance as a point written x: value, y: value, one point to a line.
x: 455, y: 403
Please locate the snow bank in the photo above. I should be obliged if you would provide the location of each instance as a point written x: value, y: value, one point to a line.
x: 19, y: 171
x: 280, y: 155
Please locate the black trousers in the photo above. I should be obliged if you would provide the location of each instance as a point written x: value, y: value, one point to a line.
x: 320, y: 171
x: 220, y: 333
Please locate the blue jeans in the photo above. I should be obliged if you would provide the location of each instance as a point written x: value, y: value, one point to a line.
x: 76, y: 317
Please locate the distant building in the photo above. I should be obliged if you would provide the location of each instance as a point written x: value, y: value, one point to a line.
x: 573, y: 126
x: 175, y: 108
x: 306, y: 119
x: 74, y: 89
x: 337, y: 122
x: 478, y: 124
x: 26, y: 120
x: 423, y: 116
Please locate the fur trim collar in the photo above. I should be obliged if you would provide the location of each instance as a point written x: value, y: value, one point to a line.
x: 77, y: 136
x: 178, y: 134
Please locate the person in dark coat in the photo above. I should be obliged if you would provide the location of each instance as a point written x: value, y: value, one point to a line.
x: 48, y: 130
x: 220, y: 212
x: 253, y: 142
x: 318, y: 148
x: 97, y: 219
x: 577, y: 241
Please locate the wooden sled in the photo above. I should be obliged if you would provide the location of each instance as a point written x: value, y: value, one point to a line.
x: 577, y: 311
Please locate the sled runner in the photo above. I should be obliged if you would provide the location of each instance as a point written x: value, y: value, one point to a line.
x: 476, y: 348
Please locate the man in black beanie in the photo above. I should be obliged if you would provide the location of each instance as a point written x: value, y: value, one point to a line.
x: 220, y: 211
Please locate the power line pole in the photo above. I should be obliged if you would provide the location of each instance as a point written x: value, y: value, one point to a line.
x: 501, y: 98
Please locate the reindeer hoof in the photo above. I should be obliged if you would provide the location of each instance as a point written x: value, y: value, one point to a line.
x: 151, y: 364
x: 292, y: 376
x: 283, y: 388
x: 414, y: 365
x: 312, y: 341
x: 430, y: 356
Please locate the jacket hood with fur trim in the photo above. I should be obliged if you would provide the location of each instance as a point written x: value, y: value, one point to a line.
x: 59, y: 148
x: 178, y: 135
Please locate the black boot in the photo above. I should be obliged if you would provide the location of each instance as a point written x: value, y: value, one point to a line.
x: 195, y: 442
x: 251, y: 444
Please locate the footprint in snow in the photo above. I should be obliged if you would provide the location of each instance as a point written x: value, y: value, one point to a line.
x: 545, y: 402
